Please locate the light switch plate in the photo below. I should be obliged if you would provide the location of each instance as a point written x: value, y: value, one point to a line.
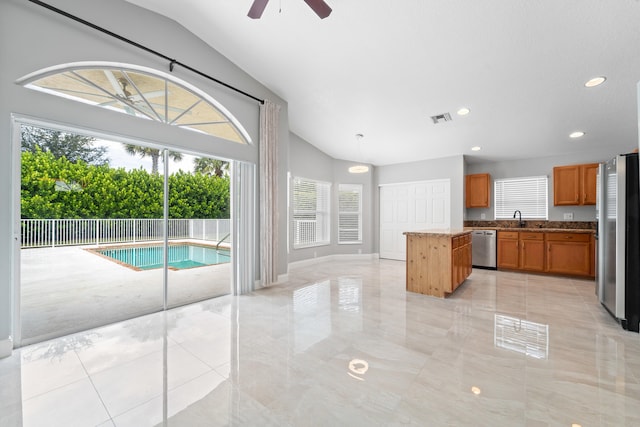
x: 568, y: 215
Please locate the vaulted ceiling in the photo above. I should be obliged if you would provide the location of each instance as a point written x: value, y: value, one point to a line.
x: 383, y: 68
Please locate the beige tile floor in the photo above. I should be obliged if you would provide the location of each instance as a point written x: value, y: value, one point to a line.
x: 343, y: 344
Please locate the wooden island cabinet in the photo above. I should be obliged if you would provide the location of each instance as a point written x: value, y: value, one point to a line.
x: 438, y: 261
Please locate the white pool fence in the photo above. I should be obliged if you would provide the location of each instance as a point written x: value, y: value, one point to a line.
x: 37, y: 233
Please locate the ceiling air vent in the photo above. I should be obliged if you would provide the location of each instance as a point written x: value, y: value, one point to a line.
x: 441, y: 118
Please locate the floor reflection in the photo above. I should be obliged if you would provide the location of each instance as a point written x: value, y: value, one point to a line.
x: 342, y: 343
x: 522, y: 336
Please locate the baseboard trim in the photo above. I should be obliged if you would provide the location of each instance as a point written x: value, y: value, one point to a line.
x: 333, y: 257
x: 6, y: 347
x: 283, y: 277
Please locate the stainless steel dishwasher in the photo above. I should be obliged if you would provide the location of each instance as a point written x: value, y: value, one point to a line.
x: 483, y: 246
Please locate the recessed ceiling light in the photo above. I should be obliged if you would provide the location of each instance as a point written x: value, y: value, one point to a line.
x: 463, y: 111
x: 596, y: 81
x: 476, y: 148
x: 576, y: 134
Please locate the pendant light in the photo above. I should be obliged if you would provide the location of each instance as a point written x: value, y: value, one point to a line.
x: 359, y: 168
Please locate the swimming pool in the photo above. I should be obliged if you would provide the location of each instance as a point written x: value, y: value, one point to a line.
x: 180, y: 256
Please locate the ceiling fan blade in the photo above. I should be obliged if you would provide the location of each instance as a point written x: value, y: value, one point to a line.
x: 257, y: 8
x: 319, y: 7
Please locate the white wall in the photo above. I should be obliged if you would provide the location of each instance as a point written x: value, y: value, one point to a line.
x: 32, y: 38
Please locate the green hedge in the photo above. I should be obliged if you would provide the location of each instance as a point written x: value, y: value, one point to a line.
x: 58, y: 188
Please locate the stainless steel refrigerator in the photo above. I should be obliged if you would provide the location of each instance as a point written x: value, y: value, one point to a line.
x: 618, y: 261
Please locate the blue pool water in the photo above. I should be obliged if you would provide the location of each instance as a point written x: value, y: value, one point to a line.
x: 180, y: 256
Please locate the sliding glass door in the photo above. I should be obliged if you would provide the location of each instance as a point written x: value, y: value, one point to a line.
x: 98, y: 243
x: 199, y: 230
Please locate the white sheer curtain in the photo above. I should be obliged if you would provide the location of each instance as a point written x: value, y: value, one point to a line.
x: 243, y: 247
x: 269, y: 123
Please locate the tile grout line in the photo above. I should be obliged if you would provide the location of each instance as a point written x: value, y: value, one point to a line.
x: 94, y: 387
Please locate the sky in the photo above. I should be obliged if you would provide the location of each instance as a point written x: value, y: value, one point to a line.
x: 119, y: 158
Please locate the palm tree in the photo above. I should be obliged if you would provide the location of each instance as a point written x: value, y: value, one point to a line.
x: 208, y: 166
x: 154, y: 153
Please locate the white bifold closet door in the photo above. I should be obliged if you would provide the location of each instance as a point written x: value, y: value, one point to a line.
x: 409, y: 207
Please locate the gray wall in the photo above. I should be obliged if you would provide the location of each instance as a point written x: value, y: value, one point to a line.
x: 306, y: 161
x: 452, y: 168
x: 534, y: 167
x: 32, y: 38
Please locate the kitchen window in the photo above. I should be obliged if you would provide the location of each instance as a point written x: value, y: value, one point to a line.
x: 311, y: 212
x: 529, y: 195
x: 349, y: 214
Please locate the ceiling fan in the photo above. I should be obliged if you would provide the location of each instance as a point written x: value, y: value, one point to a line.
x: 318, y: 6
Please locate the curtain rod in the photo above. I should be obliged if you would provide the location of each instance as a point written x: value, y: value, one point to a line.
x: 172, y: 62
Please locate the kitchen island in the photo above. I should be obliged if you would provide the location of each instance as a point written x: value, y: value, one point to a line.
x: 438, y: 261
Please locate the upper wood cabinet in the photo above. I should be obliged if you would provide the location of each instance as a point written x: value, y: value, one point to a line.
x: 589, y: 176
x: 478, y: 190
x: 575, y: 184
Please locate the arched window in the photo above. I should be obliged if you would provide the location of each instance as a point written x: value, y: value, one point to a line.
x: 140, y: 92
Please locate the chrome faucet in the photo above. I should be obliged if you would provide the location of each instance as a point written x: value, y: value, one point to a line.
x: 520, y: 222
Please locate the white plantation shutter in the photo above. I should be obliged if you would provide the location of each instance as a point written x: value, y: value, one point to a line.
x: 529, y: 195
x: 310, y: 212
x: 349, y: 213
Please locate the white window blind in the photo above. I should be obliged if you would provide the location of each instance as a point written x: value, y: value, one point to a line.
x: 529, y: 195
x: 310, y: 220
x: 349, y: 213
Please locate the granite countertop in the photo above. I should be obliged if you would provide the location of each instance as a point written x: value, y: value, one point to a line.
x: 440, y: 232
x: 536, y: 229
x: 534, y: 225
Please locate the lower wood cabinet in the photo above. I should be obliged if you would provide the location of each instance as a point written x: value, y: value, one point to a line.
x: 551, y: 252
x: 569, y: 253
x: 531, y: 251
x: 508, y: 256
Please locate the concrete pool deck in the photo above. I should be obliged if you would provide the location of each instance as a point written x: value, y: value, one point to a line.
x: 69, y: 289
